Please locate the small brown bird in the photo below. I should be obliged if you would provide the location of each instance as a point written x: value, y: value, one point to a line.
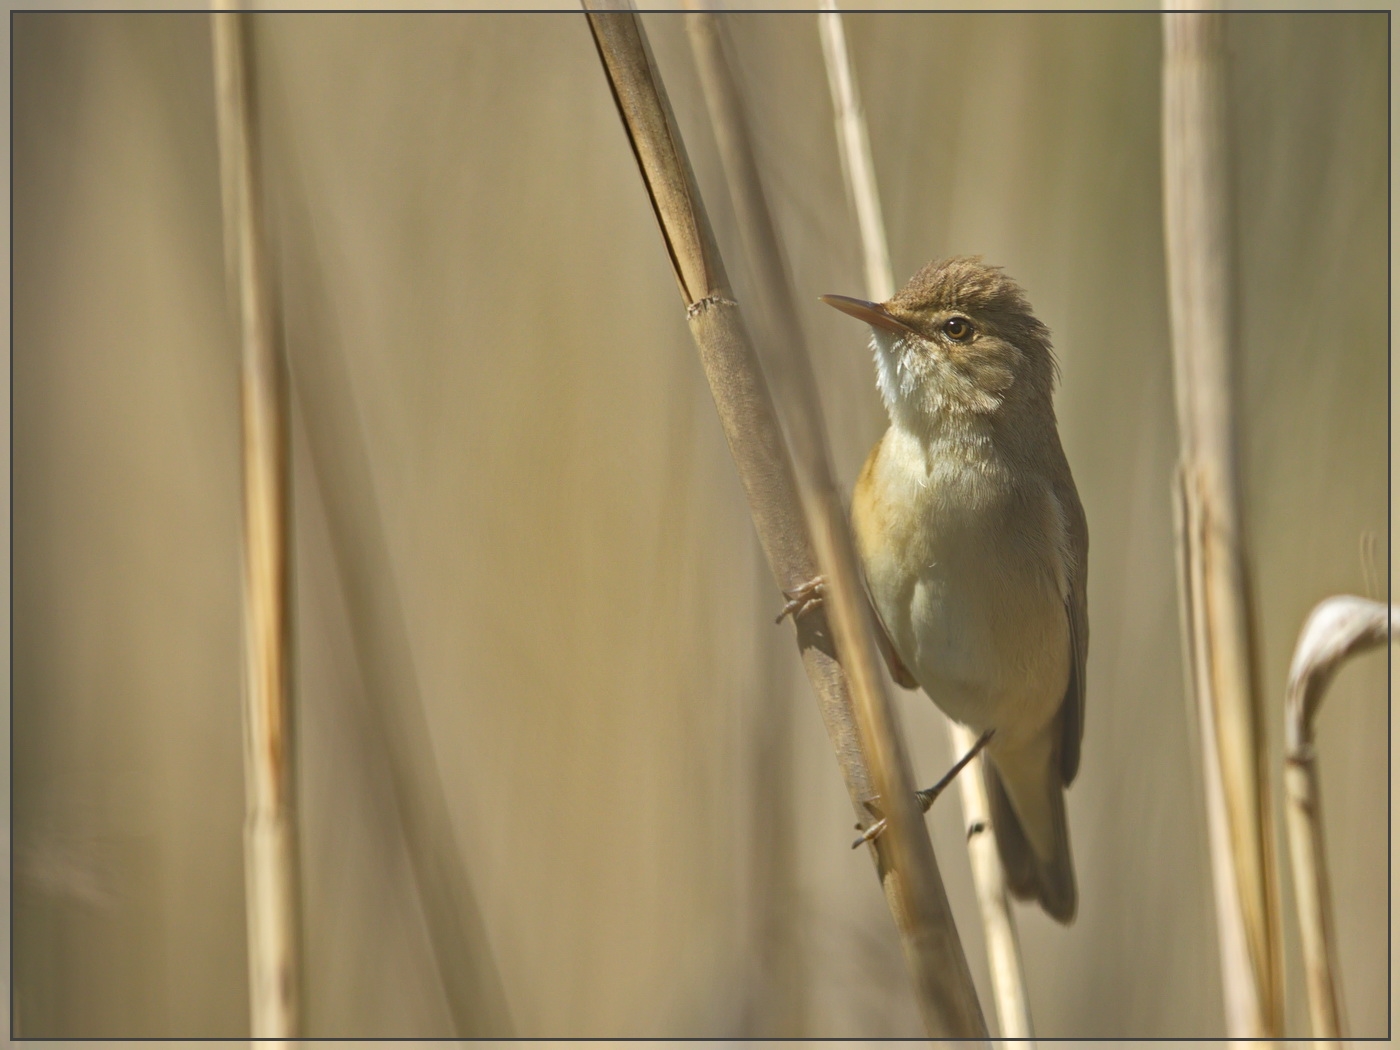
x: 975, y: 546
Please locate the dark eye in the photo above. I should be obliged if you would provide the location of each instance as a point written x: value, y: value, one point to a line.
x: 957, y: 328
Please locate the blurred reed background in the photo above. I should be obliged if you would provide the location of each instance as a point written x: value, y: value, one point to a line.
x: 535, y: 632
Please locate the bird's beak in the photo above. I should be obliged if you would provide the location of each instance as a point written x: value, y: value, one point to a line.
x: 871, y: 313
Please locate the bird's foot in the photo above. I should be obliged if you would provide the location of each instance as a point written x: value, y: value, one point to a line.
x: 803, y: 598
x: 927, y: 796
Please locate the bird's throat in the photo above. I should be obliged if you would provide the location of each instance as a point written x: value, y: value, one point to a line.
x: 927, y: 396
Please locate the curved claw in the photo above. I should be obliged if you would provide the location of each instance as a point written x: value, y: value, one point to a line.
x: 803, y: 598
x: 869, y: 833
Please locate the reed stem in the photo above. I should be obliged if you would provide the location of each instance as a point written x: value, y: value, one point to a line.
x: 802, y: 529
x: 858, y: 167
x: 1214, y: 583
x: 270, y: 833
x: 1336, y: 630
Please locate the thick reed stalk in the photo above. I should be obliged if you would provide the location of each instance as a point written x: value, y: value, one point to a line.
x: 802, y: 529
x: 1214, y: 576
x: 858, y: 167
x: 1336, y: 630
x: 270, y: 835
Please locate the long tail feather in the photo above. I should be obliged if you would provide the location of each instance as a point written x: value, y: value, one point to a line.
x: 1029, y: 875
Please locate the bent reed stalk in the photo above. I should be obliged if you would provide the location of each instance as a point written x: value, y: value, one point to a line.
x: 1336, y: 630
x: 803, y: 531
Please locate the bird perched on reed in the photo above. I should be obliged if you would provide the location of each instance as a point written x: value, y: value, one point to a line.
x: 975, y: 546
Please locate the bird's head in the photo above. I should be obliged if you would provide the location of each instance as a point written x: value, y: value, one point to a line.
x: 958, y: 341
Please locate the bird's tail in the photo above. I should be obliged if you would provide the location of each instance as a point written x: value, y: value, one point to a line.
x: 1046, y: 875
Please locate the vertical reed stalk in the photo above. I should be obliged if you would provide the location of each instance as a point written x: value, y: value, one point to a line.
x: 989, y: 880
x: 397, y: 729
x: 1336, y: 630
x: 858, y: 167
x: 802, y: 529
x: 1214, y: 573
x: 857, y: 161
x: 270, y: 835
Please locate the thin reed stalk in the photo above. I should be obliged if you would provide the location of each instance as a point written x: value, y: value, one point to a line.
x: 802, y: 529
x: 857, y: 161
x: 397, y: 728
x: 1214, y: 579
x: 270, y: 833
x: 858, y: 167
x: 1336, y: 630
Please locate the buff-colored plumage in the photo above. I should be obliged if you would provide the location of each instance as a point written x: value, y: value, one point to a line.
x: 975, y: 546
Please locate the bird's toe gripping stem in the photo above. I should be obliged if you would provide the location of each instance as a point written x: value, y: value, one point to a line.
x: 803, y: 598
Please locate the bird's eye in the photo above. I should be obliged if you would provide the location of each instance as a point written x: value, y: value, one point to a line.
x: 958, y: 328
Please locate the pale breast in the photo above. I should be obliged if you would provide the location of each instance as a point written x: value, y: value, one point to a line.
x: 966, y: 572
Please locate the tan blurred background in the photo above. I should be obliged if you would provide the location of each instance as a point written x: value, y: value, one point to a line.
x: 550, y: 737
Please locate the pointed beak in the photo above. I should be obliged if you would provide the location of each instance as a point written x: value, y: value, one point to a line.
x: 871, y: 313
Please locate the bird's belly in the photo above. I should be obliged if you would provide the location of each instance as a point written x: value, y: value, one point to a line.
x: 983, y: 630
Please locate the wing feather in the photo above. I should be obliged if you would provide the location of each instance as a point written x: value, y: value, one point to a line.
x: 1077, y: 609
